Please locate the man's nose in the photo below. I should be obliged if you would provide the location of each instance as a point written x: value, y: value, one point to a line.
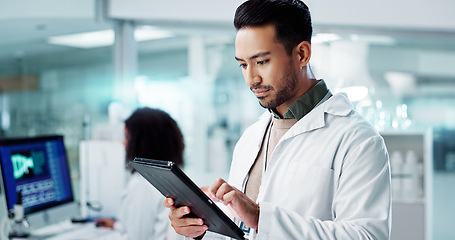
x: 251, y: 77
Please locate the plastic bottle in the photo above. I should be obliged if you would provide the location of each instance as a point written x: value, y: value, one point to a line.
x: 396, y: 160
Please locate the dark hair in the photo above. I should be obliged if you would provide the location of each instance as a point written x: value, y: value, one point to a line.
x: 153, y: 134
x: 291, y: 18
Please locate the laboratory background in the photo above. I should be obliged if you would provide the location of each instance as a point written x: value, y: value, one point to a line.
x: 78, y: 68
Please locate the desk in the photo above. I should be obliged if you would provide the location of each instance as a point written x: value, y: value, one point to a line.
x: 70, y: 231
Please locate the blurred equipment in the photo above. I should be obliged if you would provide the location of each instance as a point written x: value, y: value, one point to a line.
x: 103, y: 177
x: 19, y: 227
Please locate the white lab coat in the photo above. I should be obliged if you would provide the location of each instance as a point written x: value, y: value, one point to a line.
x: 327, y: 178
x: 142, y: 215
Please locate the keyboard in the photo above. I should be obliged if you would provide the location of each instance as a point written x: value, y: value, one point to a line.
x: 54, y: 229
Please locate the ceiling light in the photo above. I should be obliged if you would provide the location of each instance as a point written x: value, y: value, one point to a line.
x: 147, y: 33
x: 325, y: 37
x: 84, y: 40
x: 106, y: 37
x: 374, y: 39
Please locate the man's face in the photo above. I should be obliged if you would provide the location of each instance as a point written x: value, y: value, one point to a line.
x: 268, y: 70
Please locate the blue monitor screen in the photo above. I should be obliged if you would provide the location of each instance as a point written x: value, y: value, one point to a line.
x: 38, y: 168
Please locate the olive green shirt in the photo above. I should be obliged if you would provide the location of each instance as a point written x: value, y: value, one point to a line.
x: 305, y: 103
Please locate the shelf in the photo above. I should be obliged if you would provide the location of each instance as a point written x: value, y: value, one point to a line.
x: 412, y: 216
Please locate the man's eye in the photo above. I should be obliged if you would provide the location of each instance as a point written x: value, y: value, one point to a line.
x: 262, y: 62
x: 242, y: 65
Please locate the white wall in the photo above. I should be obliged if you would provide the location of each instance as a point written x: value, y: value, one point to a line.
x: 175, y: 10
x: 420, y: 14
x: 46, y: 9
x: 411, y: 14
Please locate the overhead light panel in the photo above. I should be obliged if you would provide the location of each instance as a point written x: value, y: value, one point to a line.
x: 106, y: 37
x: 373, y: 39
x: 84, y: 40
x: 147, y: 33
x: 325, y: 37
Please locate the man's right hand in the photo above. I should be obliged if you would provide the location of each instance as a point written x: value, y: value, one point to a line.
x: 190, y: 227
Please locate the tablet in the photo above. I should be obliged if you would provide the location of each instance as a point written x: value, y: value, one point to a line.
x: 172, y: 182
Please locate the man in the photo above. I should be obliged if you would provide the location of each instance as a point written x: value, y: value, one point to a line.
x: 312, y: 168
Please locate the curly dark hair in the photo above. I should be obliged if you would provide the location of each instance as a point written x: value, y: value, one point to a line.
x: 291, y: 18
x: 153, y: 134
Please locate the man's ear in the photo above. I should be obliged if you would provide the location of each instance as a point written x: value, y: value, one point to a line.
x: 303, y: 53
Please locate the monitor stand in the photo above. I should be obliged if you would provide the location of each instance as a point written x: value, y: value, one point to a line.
x: 53, y: 215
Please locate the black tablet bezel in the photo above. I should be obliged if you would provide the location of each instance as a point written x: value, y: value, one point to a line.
x: 172, y: 182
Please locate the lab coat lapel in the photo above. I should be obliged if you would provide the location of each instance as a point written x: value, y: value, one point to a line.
x: 256, y: 138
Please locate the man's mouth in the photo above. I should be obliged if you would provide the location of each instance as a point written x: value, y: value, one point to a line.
x: 260, y: 92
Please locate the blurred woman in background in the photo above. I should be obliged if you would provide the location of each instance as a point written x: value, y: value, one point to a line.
x: 149, y: 133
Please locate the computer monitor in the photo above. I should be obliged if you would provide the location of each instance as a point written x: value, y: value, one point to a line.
x: 38, y: 167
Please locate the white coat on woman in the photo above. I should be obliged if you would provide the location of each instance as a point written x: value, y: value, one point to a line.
x: 141, y: 214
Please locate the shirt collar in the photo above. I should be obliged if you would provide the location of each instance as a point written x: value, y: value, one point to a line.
x: 305, y: 103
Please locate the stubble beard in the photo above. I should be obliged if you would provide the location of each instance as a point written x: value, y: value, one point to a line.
x: 283, y: 94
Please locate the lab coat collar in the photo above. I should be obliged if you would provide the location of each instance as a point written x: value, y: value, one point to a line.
x: 337, y: 105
